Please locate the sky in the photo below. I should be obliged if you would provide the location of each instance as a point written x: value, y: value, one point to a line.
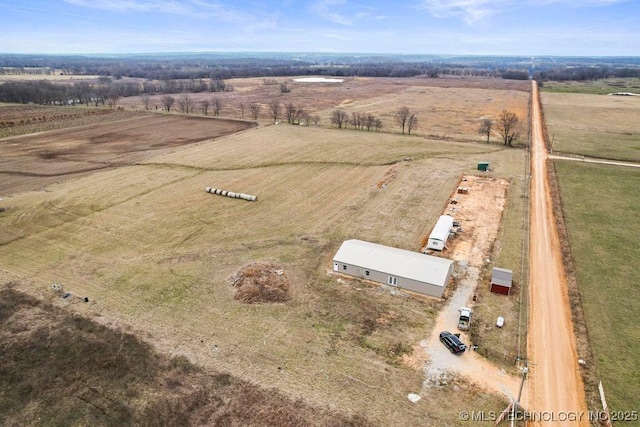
x: 455, y: 27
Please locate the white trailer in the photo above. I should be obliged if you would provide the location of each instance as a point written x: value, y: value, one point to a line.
x: 440, y: 234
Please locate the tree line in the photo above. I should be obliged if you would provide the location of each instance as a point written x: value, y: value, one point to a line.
x: 214, y: 66
x: 105, y: 90
x: 585, y: 73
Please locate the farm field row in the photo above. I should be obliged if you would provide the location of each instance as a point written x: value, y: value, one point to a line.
x: 593, y: 125
x: 604, y: 228
x: 153, y: 250
x: 34, y: 161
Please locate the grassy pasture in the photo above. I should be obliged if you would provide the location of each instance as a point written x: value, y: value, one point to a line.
x: 152, y: 249
x: 594, y: 125
x: 601, y: 214
x: 447, y: 107
x: 594, y: 87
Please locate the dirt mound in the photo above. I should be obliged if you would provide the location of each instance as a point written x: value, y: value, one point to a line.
x: 260, y: 283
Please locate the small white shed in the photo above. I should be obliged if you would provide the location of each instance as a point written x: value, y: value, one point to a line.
x: 440, y: 234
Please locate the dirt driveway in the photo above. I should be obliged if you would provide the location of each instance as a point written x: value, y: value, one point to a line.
x: 479, y: 212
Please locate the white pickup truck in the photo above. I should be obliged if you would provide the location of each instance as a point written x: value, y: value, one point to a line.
x: 464, y: 321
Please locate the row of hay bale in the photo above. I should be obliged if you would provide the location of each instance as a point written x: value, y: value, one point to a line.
x: 231, y: 194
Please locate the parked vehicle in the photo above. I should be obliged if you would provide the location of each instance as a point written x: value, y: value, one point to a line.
x: 452, y: 342
x: 464, y: 321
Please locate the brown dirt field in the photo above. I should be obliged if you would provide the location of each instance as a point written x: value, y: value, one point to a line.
x: 479, y: 213
x: 21, y: 119
x: 33, y: 161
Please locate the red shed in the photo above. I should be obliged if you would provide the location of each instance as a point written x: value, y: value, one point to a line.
x: 501, y: 280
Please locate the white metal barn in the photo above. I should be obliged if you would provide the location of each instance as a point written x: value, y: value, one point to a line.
x: 413, y: 271
x: 440, y: 234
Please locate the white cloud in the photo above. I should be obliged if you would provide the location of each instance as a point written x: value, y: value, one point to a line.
x: 198, y: 9
x: 469, y: 10
x: 327, y: 9
x: 165, y: 6
x: 579, y: 3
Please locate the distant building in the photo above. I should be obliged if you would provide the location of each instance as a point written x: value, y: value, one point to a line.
x: 413, y: 271
x: 440, y: 234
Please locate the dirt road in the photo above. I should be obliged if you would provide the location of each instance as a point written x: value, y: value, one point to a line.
x: 555, y: 385
x: 598, y: 161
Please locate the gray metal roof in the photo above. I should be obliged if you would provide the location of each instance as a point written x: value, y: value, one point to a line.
x: 395, y: 262
x: 502, y: 276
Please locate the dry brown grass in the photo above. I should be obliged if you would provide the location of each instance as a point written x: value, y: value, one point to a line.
x: 447, y: 107
x: 153, y: 250
x: 58, y: 368
x: 593, y: 125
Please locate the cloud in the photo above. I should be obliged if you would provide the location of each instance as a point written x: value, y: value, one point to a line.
x: 578, y: 3
x: 198, y: 9
x: 326, y: 9
x: 469, y: 10
x: 165, y: 6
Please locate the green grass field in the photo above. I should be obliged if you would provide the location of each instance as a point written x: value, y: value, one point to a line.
x: 601, y: 211
x: 593, y: 125
x: 594, y: 87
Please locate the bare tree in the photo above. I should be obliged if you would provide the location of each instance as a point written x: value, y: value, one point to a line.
x: 485, y: 128
x: 355, y: 120
x: 145, y: 100
x: 369, y: 121
x: 508, y: 126
x: 167, y: 102
x: 377, y: 124
x: 274, y: 108
x: 185, y: 102
x: 290, y: 112
x: 254, y: 109
x: 315, y: 119
x: 412, y: 122
x: 217, y: 85
x: 113, y: 97
x: 205, y: 107
x: 304, y: 118
x: 402, y: 115
x: 339, y: 118
x: 241, y: 107
x: 216, y: 104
